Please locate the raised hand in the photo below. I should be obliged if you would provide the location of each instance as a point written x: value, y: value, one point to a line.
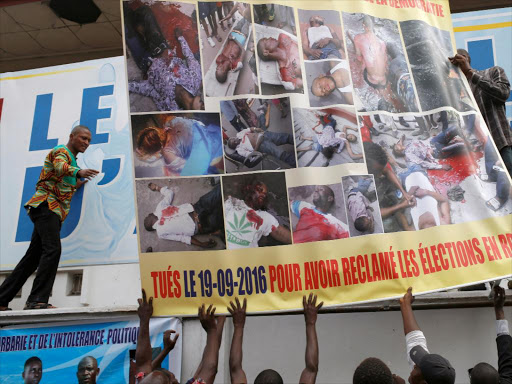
x: 238, y: 312
x: 310, y: 308
x: 169, y: 342
x: 408, y: 298
x: 207, y: 318
x: 145, y: 310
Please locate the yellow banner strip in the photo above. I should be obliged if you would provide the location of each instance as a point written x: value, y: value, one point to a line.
x: 483, y: 27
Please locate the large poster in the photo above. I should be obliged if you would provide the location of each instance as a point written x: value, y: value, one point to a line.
x: 52, y: 353
x: 326, y: 146
x: 38, y: 109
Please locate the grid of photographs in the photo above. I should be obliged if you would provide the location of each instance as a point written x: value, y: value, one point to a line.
x: 216, y: 180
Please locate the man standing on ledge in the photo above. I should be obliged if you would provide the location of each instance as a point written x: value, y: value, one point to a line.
x: 491, y: 89
x: 48, y: 207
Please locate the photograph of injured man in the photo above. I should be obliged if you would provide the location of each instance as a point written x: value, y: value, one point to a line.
x: 227, y: 49
x: 180, y: 144
x: 318, y: 213
x: 326, y: 137
x: 277, y: 48
x: 257, y: 134
x: 362, y: 205
x: 256, y: 210
x: 162, y: 56
x: 377, y: 61
x: 437, y: 81
x: 443, y: 169
x: 180, y: 214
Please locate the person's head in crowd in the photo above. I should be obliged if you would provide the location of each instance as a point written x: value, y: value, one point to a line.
x: 372, y: 371
x: 255, y: 195
x: 464, y: 53
x: 160, y: 376
x: 376, y: 157
x: 79, y: 139
x: 484, y: 373
x: 316, y: 21
x: 323, y: 85
x: 87, y: 371
x: 268, y: 376
x: 323, y: 198
x: 430, y: 368
x: 223, y: 68
x: 367, y: 23
x: 266, y: 48
x: 32, y: 370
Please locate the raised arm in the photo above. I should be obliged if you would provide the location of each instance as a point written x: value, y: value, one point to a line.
x: 207, y: 369
x: 309, y: 373
x: 408, y: 318
x: 169, y: 344
x: 235, y: 355
x: 504, y: 340
x: 143, y: 350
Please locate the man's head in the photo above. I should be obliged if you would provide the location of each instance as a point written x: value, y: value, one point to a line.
x: 430, y: 368
x: 323, y: 85
x: 87, y: 370
x: 32, y: 370
x: 372, y: 371
x: 351, y: 137
x: 376, y: 157
x: 266, y: 46
x: 367, y: 23
x: 364, y: 224
x: 316, y: 21
x: 426, y: 220
x: 398, y: 149
x: 233, y: 142
x: 79, y: 139
x: 484, y: 373
x: 223, y: 67
x: 464, y: 53
x: 150, y: 221
x: 160, y: 376
x: 255, y: 195
x: 323, y: 197
x: 268, y: 376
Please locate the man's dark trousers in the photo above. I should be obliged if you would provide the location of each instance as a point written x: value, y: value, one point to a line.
x: 43, y: 254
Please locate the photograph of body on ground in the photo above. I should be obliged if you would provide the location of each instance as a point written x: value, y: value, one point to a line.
x: 227, y: 49
x: 179, y: 144
x: 378, y: 65
x: 321, y: 34
x: 441, y: 170
x: 318, y: 213
x: 363, y: 210
x: 328, y: 83
x: 277, y: 49
x: 162, y: 56
x: 326, y: 137
x: 438, y: 82
x: 257, y: 134
x: 256, y: 210
x: 180, y: 214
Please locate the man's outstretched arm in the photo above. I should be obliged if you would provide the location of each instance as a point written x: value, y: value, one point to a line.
x: 143, y: 351
x: 235, y: 355
x: 207, y: 369
x: 168, y: 347
x: 309, y: 373
x: 504, y: 340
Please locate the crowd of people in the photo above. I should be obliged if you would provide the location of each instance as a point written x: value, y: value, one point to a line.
x: 426, y: 367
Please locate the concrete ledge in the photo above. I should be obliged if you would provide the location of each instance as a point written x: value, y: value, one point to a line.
x: 440, y: 300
